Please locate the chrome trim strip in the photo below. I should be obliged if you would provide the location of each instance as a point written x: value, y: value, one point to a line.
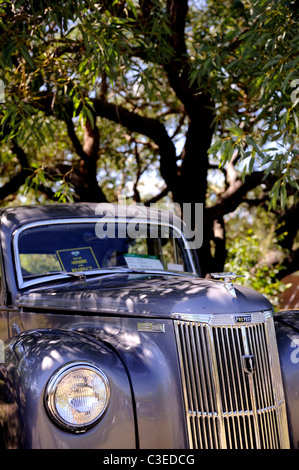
x: 221, y: 319
x: 22, y: 284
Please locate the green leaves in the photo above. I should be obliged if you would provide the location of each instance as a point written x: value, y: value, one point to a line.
x: 256, y: 85
x: 33, y: 181
x: 58, y: 56
x: 65, y: 192
x: 247, y: 254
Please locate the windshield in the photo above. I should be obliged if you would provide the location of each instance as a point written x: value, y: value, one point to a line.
x: 73, y: 247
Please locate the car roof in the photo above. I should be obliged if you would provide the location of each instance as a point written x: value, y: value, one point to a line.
x: 12, y: 217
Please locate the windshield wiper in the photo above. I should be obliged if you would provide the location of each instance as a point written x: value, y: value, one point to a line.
x: 114, y: 270
x: 110, y: 270
x: 82, y: 274
x: 78, y: 275
x: 125, y: 269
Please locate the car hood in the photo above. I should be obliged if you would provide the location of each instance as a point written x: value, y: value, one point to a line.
x: 143, y: 295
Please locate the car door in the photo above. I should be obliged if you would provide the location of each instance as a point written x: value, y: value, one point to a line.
x: 3, y: 313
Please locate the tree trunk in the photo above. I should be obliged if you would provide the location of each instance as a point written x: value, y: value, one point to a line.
x: 193, y: 176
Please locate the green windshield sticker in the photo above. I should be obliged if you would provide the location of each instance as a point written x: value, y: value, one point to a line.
x: 77, y: 259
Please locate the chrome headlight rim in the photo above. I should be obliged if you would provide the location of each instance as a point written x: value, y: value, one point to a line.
x: 51, y: 388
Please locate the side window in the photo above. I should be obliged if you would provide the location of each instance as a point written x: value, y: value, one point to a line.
x: 3, y: 314
x: 1, y: 282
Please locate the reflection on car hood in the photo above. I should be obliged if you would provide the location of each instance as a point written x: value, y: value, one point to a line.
x: 289, y: 318
x: 143, y: 294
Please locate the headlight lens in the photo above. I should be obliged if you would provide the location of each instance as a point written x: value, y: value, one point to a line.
x: 77, y: 395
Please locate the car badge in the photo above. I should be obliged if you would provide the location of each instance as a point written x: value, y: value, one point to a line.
x: 228, y: 278
x: 243, y: 318
x: 146, y: 327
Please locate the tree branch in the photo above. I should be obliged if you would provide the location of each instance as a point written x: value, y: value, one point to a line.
x: 136, y: 193
x: 75, y: 141
x: 177, y: 12
x: 288, y: 226
x: 19, y: 179
x: 151, y: 128
x: 290, y: 264
x: 157, y: 198
x: 235, y: 193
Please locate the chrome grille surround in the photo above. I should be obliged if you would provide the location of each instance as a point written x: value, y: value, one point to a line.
x: 231, y: 380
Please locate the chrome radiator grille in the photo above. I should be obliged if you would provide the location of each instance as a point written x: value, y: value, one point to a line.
x: 231, y: 382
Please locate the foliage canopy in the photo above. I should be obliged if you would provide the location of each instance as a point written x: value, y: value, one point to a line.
x: 193, y: 99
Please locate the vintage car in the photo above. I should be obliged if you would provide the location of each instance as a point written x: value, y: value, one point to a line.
x: 111, y: 339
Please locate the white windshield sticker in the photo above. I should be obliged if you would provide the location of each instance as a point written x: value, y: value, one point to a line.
x: 175, y: 267
x: 135, y: 261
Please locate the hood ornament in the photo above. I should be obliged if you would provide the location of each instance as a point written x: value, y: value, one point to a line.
x: 228, y: 278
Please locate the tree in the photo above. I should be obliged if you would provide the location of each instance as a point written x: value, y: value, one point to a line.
x: 98, y: 94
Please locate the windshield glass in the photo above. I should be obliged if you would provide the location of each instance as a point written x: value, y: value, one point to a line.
x: 89, y: 246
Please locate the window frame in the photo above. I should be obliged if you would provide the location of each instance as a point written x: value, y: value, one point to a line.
x: 16, y: 234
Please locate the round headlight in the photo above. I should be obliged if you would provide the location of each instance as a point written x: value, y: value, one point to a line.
x: 77, y: 395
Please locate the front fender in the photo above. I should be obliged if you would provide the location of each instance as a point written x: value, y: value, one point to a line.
x: 149, y: 351
x: 30, y: 360
x: 287, y: 332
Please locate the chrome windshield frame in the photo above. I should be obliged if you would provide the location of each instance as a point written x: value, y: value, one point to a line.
x: 93, y: 220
